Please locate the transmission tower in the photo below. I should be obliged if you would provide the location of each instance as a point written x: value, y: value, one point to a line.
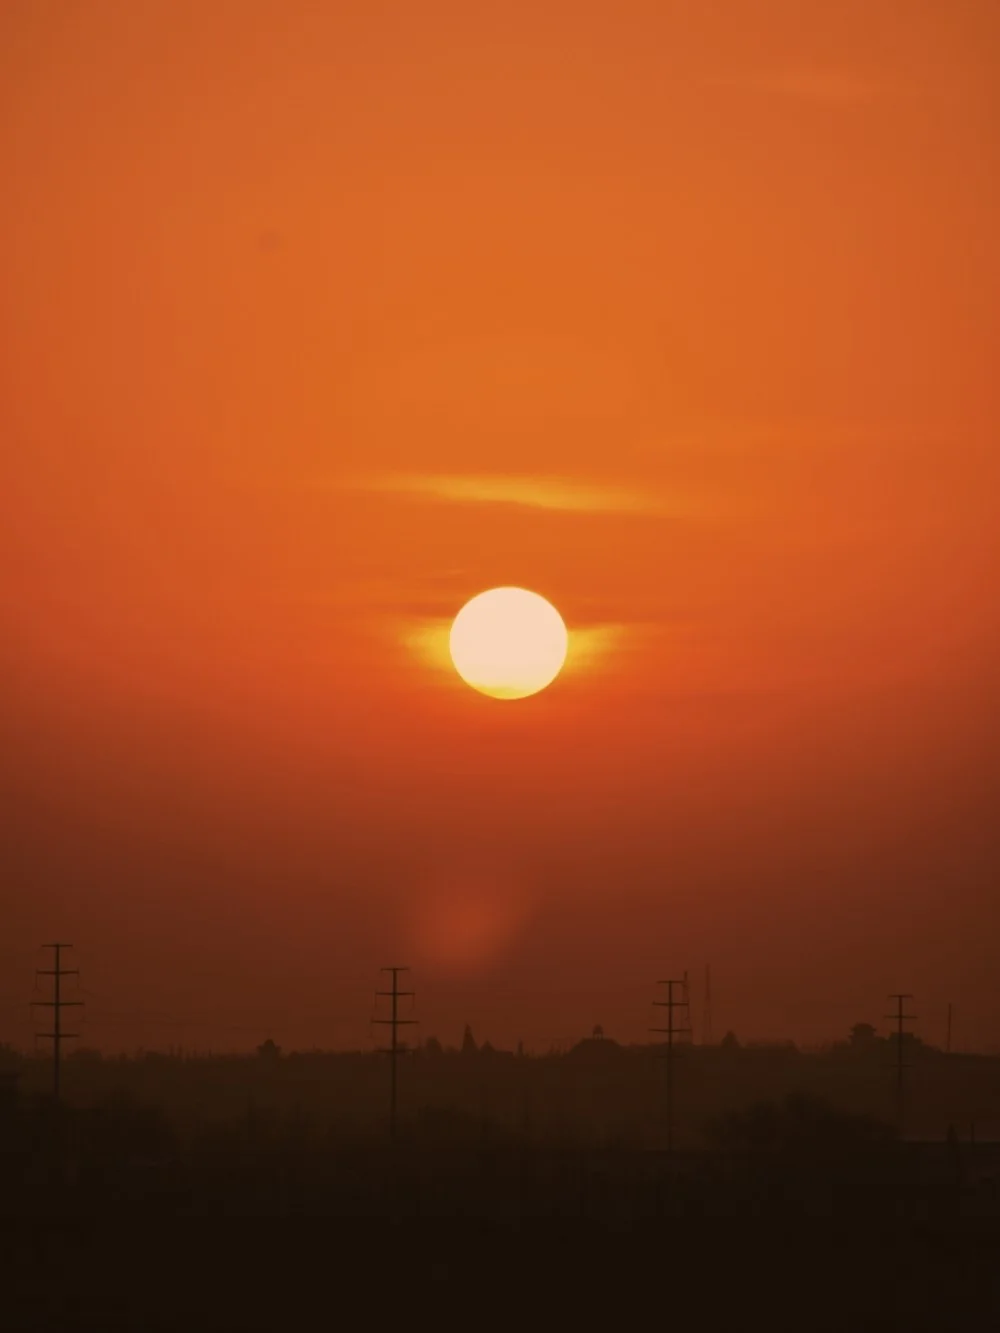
x: 396, y: 1048
x: 57, y: 1004
x: 900, y: 1019
x: 672, y: 1030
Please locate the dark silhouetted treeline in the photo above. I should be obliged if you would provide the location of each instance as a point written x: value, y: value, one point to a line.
x: 125, y: 1157
x: 598, y: 1092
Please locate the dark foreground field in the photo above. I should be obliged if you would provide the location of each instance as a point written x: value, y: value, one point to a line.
x: 290, y: 1276
x: 796, y: 1217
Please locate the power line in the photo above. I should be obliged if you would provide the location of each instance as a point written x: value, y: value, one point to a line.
x: 396, y: 1049
x: 673, y: 1030
x: 57, y: 1004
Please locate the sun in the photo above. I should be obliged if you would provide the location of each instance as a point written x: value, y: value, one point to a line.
x: 508, y: 643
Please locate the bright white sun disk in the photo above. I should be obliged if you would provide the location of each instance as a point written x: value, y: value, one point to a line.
x: 508, y: 643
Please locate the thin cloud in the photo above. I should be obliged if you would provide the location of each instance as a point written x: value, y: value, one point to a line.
x: 827, y: 87
x: 834, y: 87
x: 553, y: 493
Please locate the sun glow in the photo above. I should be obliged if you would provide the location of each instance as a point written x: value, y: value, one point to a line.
x: 508, y: 643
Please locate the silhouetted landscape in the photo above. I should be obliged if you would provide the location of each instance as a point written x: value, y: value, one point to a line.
x: 598, y: 1092
x: 498, y: 1153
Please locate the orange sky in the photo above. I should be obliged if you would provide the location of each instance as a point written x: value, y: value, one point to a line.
x: 318, y: 319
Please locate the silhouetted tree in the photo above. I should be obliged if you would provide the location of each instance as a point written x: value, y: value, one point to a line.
x: 799, y: 1123
x: 86, y: 1055
x: 8, y: 1087
x: 730, y: 1042
x: 433, y: 1047
x: 862, y: 1036
x: 267, y: 1050
x: 469, y: 1046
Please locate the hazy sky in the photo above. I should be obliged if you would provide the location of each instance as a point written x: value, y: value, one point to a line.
x: 318, y: 319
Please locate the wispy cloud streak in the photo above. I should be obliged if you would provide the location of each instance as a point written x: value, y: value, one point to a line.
x: 831, y: 86
x: 828, y: 87
x: 554, y: 493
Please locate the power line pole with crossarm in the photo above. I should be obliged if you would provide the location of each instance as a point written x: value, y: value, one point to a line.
x: 900, y: 1034
x: 671, y: 1031
x: 396, y: 1048
x: 57, y: 1004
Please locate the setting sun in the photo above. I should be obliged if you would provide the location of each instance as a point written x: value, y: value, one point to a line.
x: 508, y: 643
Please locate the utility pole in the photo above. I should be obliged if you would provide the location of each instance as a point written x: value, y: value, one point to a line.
x: 57, y: 1004
x: 686, y: 1001
x: 671, y: 1031
x: 706, y: 1017
x: 900, y: 1018
x: 395, y: 1049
